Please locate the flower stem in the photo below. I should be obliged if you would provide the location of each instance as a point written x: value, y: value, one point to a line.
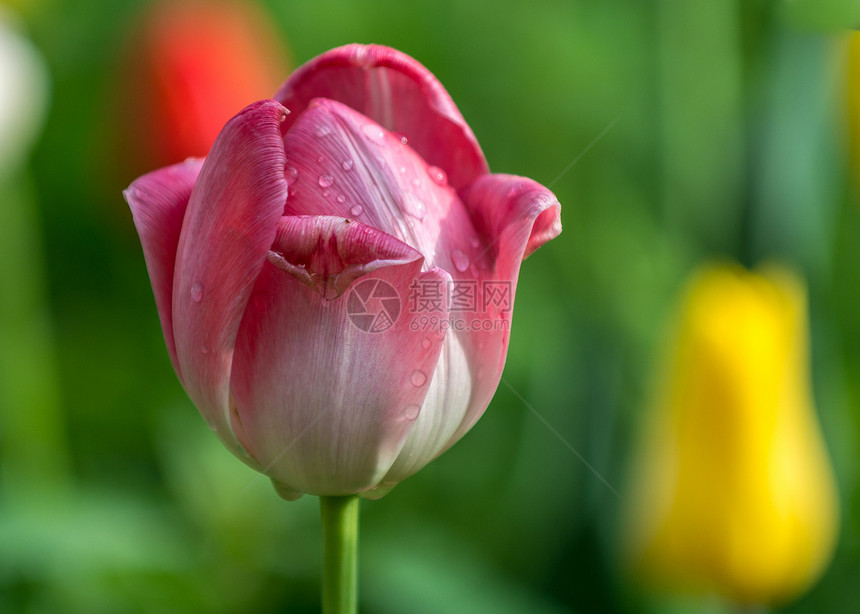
x: 340, y: 550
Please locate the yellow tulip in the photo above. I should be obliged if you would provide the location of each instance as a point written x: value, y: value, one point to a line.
x: 852, y: 97
x: 732, y: 491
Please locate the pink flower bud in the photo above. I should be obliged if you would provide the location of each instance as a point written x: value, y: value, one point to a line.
x: 335, y: 281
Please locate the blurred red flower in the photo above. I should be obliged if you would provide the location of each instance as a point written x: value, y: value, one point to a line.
x: 192, y: 66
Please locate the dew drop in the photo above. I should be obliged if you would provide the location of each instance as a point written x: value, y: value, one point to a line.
x: 326, y: 193
x: 437, y: 175
x: 475, y: 242
x: 414, y: 206
x: 291, y: 174
x: 291, y: 192
x: 515, y: 190
x: 411, y: 412
x: 341, y: 198
x: 347, y: 165
x: 197, y: 292
x: 404, y: 140
x: 416, y: 182
x: 373, y: 132
x: 356, y: 211
x: 204, y: 349
x: 402, y: 170
x: 461, y: 261
x: 426, y: 344
x: 418, y: 378
x: 323, y: 131
x: 326, y: 181
x: 321, y: 159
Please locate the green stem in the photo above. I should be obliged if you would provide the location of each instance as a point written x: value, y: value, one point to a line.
x: 340, y: 558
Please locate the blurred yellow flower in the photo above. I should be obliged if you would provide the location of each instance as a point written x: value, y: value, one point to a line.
x: 732, y: 491
x: 852, y: 97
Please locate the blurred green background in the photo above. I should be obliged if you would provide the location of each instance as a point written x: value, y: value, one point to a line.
x: 724, y: 136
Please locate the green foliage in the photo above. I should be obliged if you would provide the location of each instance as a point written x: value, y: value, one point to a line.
x: 724, y: 141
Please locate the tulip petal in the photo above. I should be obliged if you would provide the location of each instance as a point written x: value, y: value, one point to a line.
x: 229, y: 227
x: 329, y: 377
x: 328, y: 253
x: 515, y: 216
x: 341, y: 163
x: 397, y: 92
x: 158, y: 201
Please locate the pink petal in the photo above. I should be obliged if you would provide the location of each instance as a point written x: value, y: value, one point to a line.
x: 230, y: 224
x: 158, y: 201
x: 341, y: 163
x: 322, y: 401
x: 328, y: 253
x: 514, y: 216
x: 397, y: 92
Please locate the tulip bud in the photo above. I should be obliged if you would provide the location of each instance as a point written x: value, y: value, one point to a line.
x: 733, y: 492
x: 335, y: 280
x: 852, y: 98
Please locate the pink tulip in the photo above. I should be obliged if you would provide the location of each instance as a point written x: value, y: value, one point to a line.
x: 361, y: 170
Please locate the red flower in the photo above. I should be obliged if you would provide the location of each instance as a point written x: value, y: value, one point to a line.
x: 197, y: 64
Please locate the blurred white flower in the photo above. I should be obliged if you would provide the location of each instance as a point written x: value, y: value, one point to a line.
x: 23, y: 94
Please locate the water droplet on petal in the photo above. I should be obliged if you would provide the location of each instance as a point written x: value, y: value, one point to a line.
x: 418, y: 378
x: 291, y: 192
x: 426, y: 344
x: 475, y: 242
x: 197, y: 292
x: 323, y: 131
x: 204, y: 349
x: 347, y: 165
x: 416, y: 182
x: 373, y: 132
x: 411, y: 412
x: 291, y: 174
x: 437, y: 175
x: 341, y: 198
x: 320, y: 158
x: 404, y: 140
x: 461, y: 261
x: 326, y: 193
x: 402, y: 170
x: 414, y: 206
x: 326, y: 181
x: 356, y: 211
